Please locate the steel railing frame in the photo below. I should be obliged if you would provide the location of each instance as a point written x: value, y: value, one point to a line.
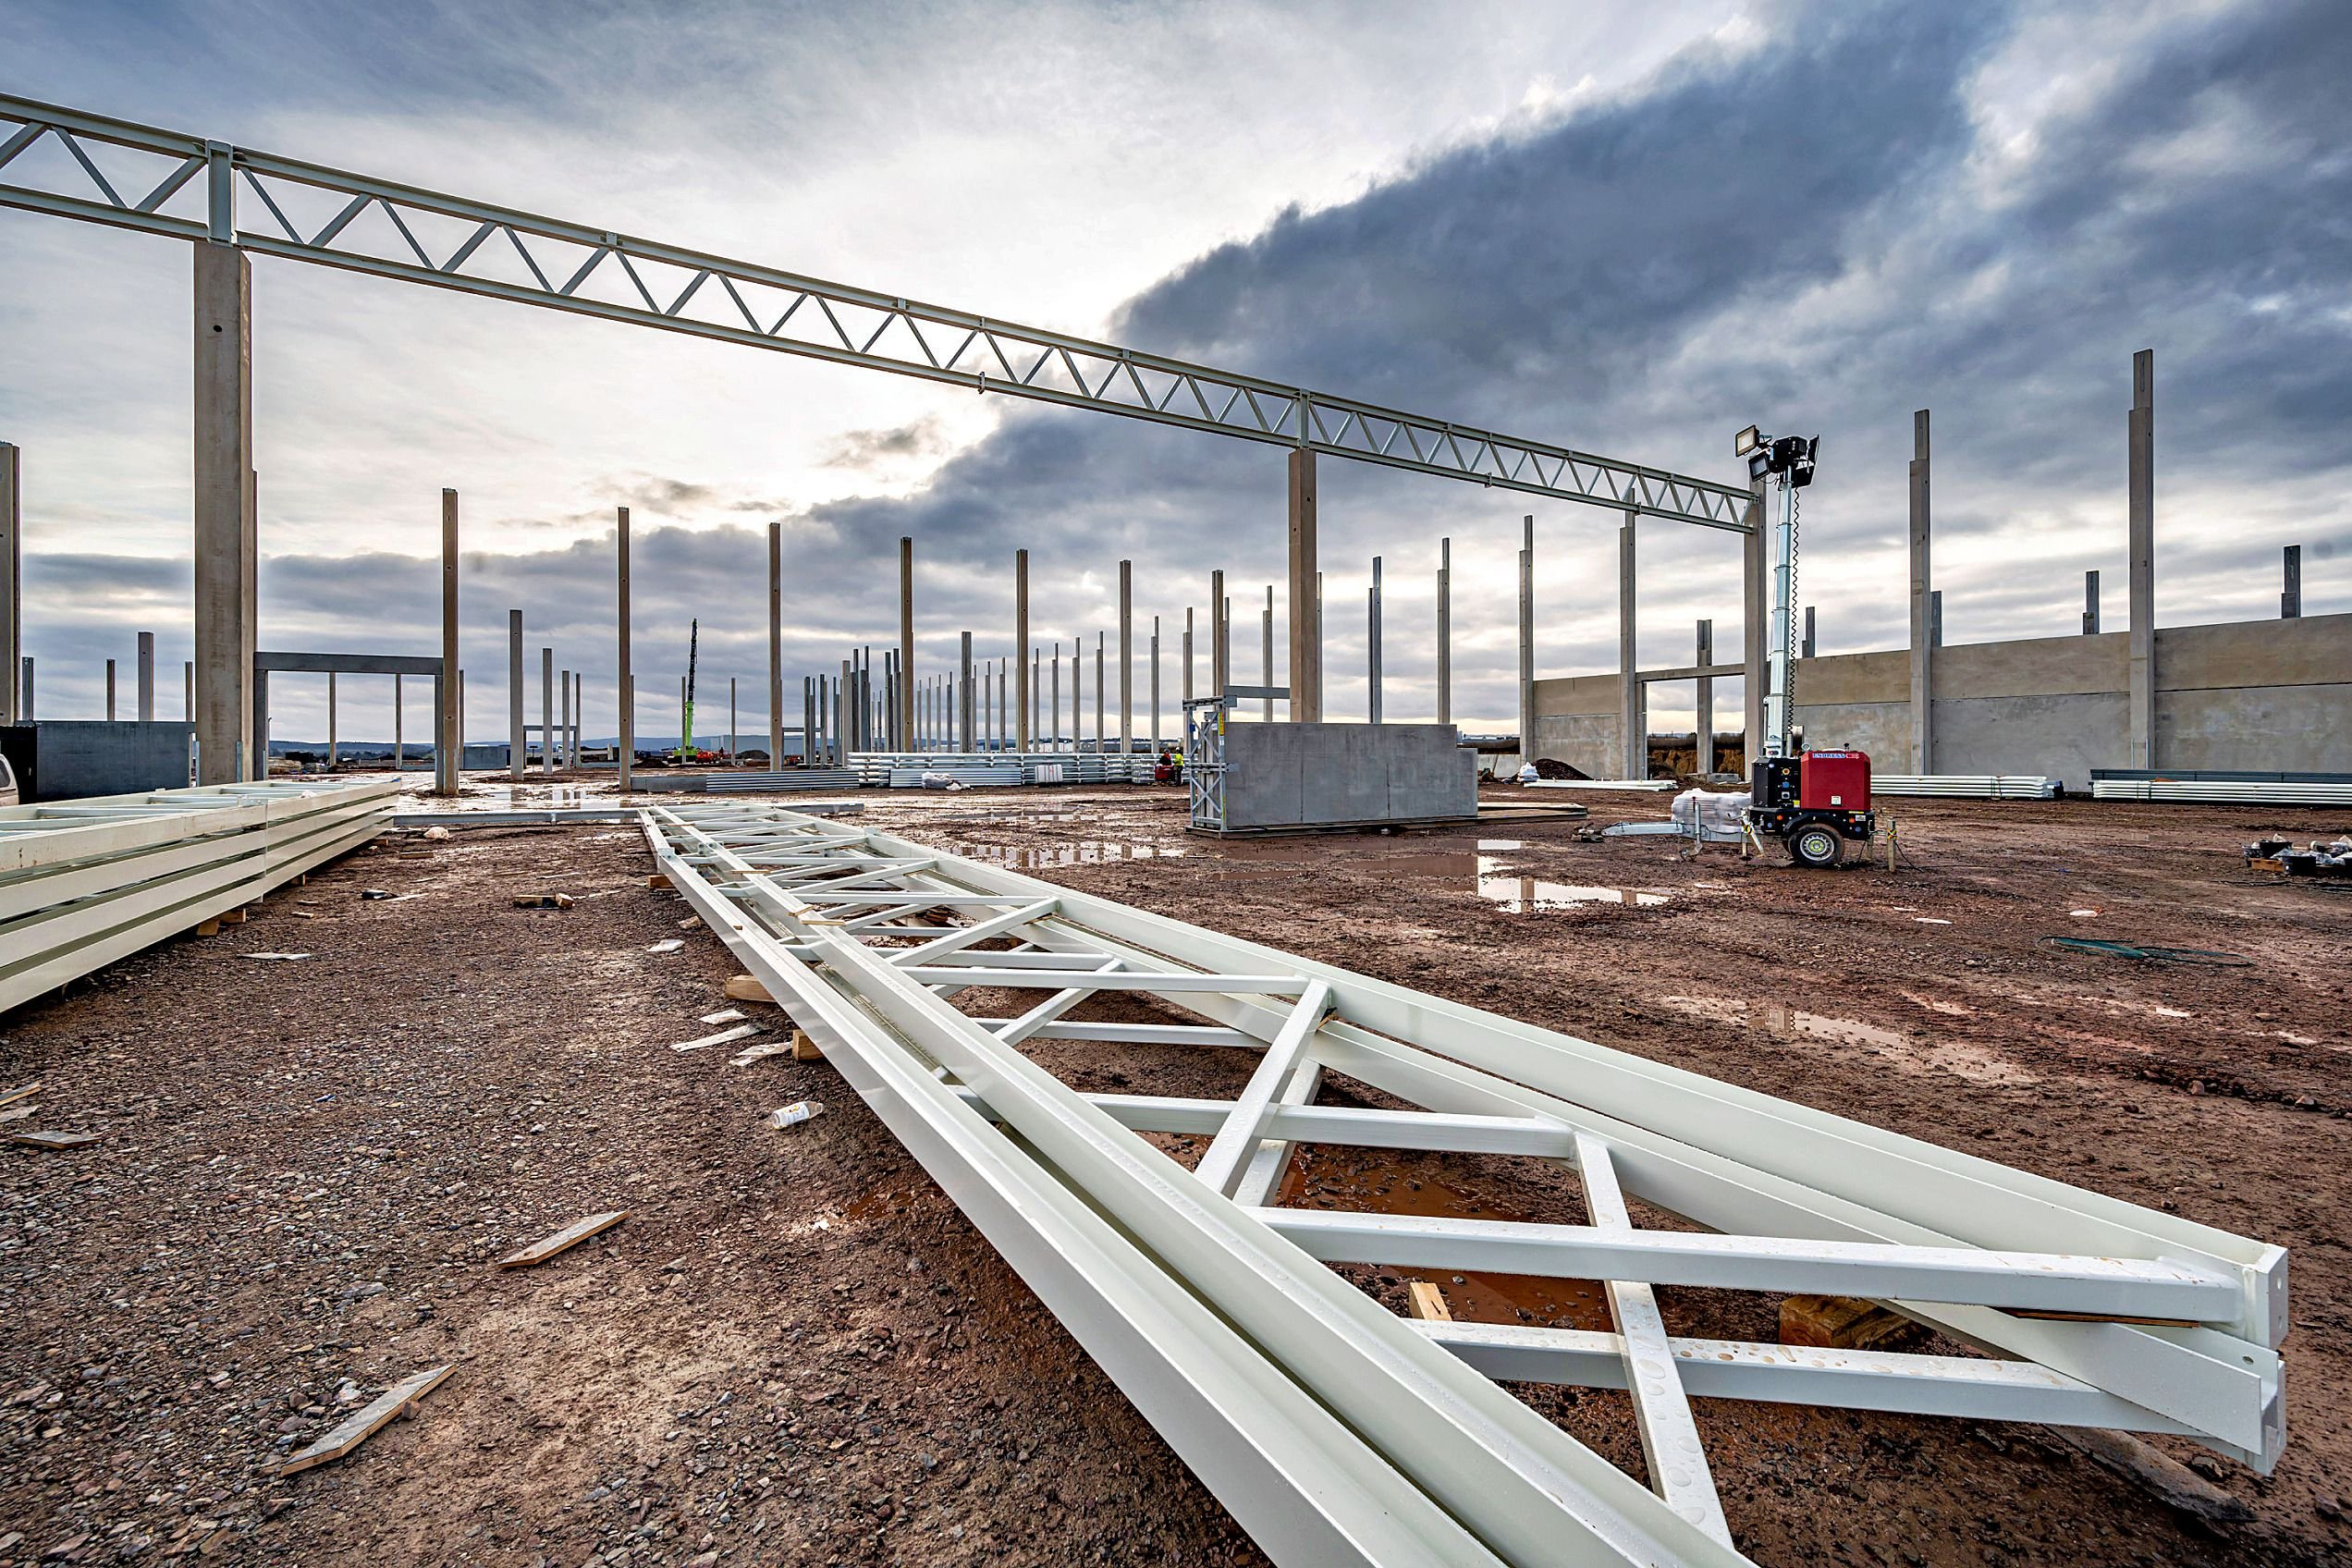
x: 677, y: 290
x: 800, y: 901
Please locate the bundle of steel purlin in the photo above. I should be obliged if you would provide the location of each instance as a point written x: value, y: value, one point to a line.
x: 1033, y: 767
x: 1968, y: 786
x: 83, y: 883
x: 1336, y: 1431
x: 2224, y: 791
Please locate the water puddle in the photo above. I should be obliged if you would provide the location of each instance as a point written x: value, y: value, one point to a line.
x: 1526, y: 895
x: 1957, y: 1058
x: 1328, y: 1176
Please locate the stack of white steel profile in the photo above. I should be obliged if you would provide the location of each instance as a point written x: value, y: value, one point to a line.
x: 1334, y: 1430
x: 83, y: 883
x: 904, y: 769
x: 2224, y: 792
x: 1968, y: 786
x: 1648, y: 785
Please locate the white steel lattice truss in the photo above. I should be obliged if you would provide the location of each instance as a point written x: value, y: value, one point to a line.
x: 1337, y: 1431
x: 69, y: 164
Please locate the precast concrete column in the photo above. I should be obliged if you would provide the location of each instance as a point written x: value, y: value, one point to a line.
x: 841, y: 718
x: 1155, y: 685
x: 547, y: 710
x: 1127, y: 657
x: 906, y: 620
x: 1306, y: 639
x: 110, y: 690
x: 399, y: 748
x: 2141, y: 433
x: 1026, y: 703
x: 146, y: 678
x: 333, y: 751
x: 733, y: 746
x: 27, y: 715
x: 628, y: 684
x: 964, y: 697
x: 1706, y: 649
x: 1935, y: 618
x: 1633, y: 723
x: 1372, y: 645
x: 1752, y: 626
x: 11, y: 577
x: 1219, y: 671
x: 225, y: 531
x: 1922, y: 608
x: 2290, y: 592
x: 1528, y: 640
x: 1265, y: 655
x: 1445, y: 631
x: 1100, y: 733
x: 774, y: 645
x: 188, y: 692
x: 1053, y: 729
x: 1807, y: 648
x: 515, y: 745
x: 1188, y: 654
x: 446, y: 759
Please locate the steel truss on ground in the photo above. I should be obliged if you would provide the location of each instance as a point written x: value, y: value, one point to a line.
x: 58, y: 160
x: 1336, y: 1431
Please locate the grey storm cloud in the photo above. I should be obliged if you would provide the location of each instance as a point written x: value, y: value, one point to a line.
x: 1820, y: 232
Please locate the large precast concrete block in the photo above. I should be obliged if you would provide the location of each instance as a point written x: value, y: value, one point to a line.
x: 1293, y: 776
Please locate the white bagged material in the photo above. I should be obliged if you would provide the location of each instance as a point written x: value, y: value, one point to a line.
x: 1707, y: 815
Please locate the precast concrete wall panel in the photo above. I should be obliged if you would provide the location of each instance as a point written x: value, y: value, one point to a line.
x: 1279, y: 775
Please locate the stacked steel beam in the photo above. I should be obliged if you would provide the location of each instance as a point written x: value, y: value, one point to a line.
x: 1968, y: 786
x: 83, y: 883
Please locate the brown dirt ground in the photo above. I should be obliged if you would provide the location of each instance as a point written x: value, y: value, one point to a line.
x: 795, y: 1350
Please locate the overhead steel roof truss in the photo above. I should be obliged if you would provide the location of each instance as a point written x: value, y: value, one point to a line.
x: 1335, y: 1430
x: 57, y: 160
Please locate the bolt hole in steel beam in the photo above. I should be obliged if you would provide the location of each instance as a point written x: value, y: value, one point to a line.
x: 885, y: 950
x: 285, y: 207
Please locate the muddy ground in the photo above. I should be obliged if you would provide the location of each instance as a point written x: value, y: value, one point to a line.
x: 794, y: 1350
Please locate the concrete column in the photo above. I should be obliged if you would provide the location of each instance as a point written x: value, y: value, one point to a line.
x: 400, y: 746
x: 1528, y: 640
x: 628, y: 684
x: 964, y: 697
x: 1024, y: 704
x: 774, y: 645
x: 146, y: 678
x: 2141, y: 433
x: 2091, y: 604
x: 261, y: 719
x: 2290, y: 595
x: 1808, y: 632
x: 906, y: 619
x: 461, y: 712
x: 1935, y: 618
x: 841, y: 718
x: 1100, y: 734
x: 1633, y: 724
x: 546, y: 710
x: 1188, y: 654
x: 1266, y: 656
x: 1155, y: 685
x: 1127, y: 655
x: 1752, y: 625
x: 1307, y: 640
x: 11, y: 576
x: 26, y: 714
x: 225, y: 536
x: 110, y: 690
x: 514, y: 696
x: 334, y: 750
x: 1219, y: 671
x: 1372, y: 646
x: 1922, y: 608
x: 1036, y: 695
x: 188, y: 692
x: 1705, y: 759
x: 1053, y: 729
x: 445, y: 758
x: 1445, y: 631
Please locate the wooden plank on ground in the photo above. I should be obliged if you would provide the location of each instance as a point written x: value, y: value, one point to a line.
x: 725, y: 1036
x: 362, y: 1423
x: 744, y: 988
x: 806, y: 1048
x: 40, y: 1140
x: 1428, y: 1301
x: 10, y: 1097
x: 564, y: 1240
x: 658, y: 881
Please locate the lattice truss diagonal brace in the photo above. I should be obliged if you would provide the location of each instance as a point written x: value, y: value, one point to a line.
x: 1335, y: 1430
x: 69, y: 164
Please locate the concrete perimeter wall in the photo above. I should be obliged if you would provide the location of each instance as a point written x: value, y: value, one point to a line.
x: 1309, y: 775
x: 2257, y: 696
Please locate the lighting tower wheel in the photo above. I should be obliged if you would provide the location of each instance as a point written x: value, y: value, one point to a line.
x: 1818, y: 845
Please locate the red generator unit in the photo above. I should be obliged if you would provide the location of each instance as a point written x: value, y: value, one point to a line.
x: 1813, y: 802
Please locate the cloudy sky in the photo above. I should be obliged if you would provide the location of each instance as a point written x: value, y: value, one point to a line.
x: 1627, y: 228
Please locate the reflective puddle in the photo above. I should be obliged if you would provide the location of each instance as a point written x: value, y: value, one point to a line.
x: 1957, y: 1058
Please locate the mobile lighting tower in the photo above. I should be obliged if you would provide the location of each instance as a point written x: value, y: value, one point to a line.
x: 1813, y: 802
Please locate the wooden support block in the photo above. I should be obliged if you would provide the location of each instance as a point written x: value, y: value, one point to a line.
x: 805, y: 1048
x: 542, y: 901
x: 362, y: 1424
x: 1428, y: 1301
x: 22, y: 1091
x: 208, y: 928
x: 52, y: 1140
x: 1843, y: 1323
x: 658, y: 881
x: 232, y: 916
x: 743, y: 988
x: 564, y: 1240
